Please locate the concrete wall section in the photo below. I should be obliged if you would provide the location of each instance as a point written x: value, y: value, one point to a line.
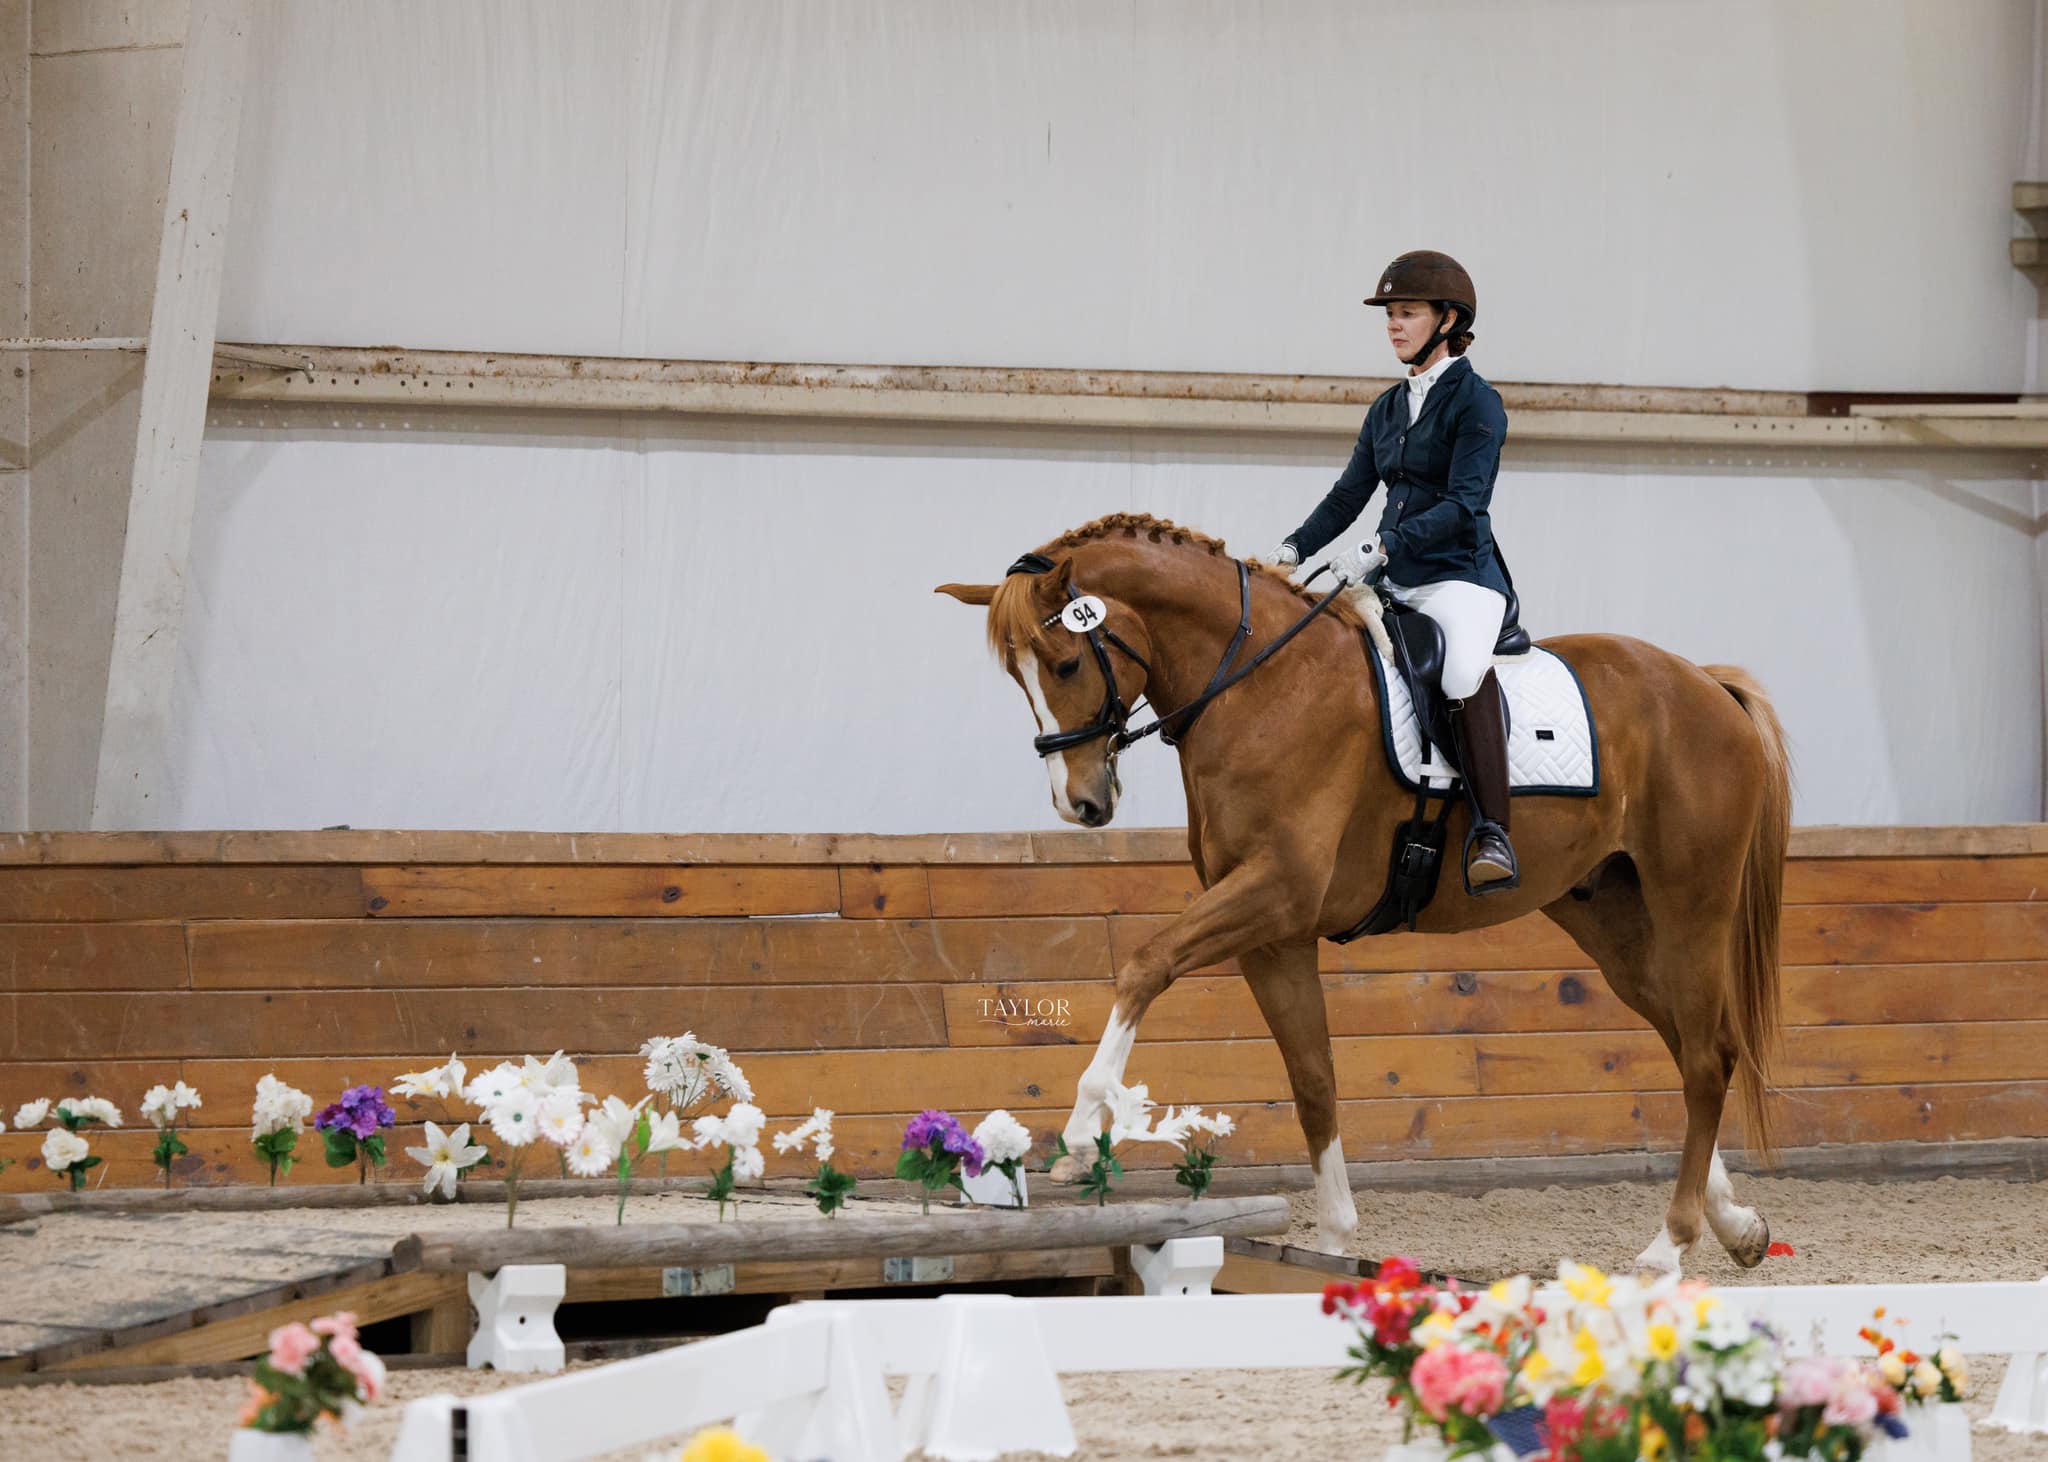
x: 14, y: 426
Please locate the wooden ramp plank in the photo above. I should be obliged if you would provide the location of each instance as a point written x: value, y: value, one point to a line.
x: 94, y: 895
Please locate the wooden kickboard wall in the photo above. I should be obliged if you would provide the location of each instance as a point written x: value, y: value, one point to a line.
x: 875, y: 976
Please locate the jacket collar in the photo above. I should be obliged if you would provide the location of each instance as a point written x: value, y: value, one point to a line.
x: 1458, y: 369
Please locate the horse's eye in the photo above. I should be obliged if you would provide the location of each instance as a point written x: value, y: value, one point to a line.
x: 1066, y: 671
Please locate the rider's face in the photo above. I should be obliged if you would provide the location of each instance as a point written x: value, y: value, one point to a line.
x: 1409, y: 324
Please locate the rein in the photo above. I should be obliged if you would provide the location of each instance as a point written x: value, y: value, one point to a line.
x: 1113, y: 720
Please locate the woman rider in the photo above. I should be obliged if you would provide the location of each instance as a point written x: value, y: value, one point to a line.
x: 1435, y: 439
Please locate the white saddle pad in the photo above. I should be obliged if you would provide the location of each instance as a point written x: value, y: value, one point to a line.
x: 1552, y: 746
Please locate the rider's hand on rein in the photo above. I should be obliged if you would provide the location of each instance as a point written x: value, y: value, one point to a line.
x: 1359, y: 565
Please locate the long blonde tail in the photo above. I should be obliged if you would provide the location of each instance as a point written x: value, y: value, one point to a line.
x: 1754, y: 1008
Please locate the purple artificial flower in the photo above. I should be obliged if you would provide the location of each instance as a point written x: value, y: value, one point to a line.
x: 931, y: 1123
x: 971, y: 1156
x: 331, y: 1117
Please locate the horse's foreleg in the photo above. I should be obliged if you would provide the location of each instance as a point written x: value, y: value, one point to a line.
x: 1289, y: 990
x: 1245, y: 908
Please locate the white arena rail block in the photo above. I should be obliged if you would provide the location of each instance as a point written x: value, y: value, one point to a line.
x: 515, y: 1318
x: 1178, y: 1266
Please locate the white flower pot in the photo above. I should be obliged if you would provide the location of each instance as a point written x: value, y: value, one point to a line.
x: 1422, y: 1449
x: 1937, y: 1433
x: 254, y: 1446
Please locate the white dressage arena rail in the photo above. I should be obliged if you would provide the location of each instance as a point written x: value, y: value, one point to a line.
x: 982, y: 1370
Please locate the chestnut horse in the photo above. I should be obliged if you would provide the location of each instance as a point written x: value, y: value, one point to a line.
x: 1671, y: 878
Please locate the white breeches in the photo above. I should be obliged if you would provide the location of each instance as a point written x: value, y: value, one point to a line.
x: 1471, y: 616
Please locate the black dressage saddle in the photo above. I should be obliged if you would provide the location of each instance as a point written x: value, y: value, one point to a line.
x: 1418, y: 851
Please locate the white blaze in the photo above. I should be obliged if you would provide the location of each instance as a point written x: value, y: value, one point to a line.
x: 1055, y: 762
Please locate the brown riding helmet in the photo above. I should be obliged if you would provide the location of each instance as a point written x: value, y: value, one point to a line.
x: 1424, y: 274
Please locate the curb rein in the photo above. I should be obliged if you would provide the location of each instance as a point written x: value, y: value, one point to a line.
x: 1113, y: 720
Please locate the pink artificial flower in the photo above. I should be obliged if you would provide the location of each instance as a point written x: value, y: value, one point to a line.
x: 1853, y: 1404
x: 341, y: 1322
x: 1808, y: 1381
x: 349, y: 1354
x: 1471, y: 1381
x: 291, y: 1346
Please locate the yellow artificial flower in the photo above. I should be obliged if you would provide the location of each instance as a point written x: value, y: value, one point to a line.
x: 1892, y: 1368
x: 1663, y: 1341
x: 1536, y: 1367
x: 1434, y: 1331
x: 1701, y: 1307
x: 1951, y: 1362
x: 721, y: 1444
x: 1926, y: 1379
x: 1588, y: 1285
x: 1655, y: 1444
x: 1590, y: 1367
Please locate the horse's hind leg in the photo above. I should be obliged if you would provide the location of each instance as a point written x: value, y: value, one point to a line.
x: 1290, y: 994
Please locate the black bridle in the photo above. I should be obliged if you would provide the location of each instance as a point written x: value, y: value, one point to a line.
x: 1113, y: 720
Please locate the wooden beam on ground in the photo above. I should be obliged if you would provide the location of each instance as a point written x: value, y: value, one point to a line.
x: 259, y: 376
x: 164, y: 482
x: 982, y: 1232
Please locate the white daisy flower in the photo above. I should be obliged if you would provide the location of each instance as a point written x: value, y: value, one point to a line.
x: 590, y: 1155
x: 445, y: 1156
x: 560, y: 1116
x: 513, y: 1119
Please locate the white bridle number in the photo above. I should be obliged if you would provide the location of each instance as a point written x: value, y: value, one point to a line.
x: 1083, y: 614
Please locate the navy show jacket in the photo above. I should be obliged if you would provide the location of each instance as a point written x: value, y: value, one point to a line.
x: 1439, y: 475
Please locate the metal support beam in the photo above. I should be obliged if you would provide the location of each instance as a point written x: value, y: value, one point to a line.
x: 163, y: 486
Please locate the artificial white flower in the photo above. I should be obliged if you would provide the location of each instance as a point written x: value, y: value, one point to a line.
x: 161, y: 1104
x: 665, y: 1132
x: 90, y: 1109
x: 436, y: 1081
x: 512, y: 1118
x: 615, y: 1120
x: 747, y: 1164
x: 445, y: 1156
x: 743, y: 1124
x: 1130, y: 1117
x: 279, y: 1108
x: 61, y: 1149
x: 816, y: 1128
x: 710, y: 1129
x: 592, y: 1155
x: 31, y: 1114
x: 493, y: 1086
x: 560, y: 1115
x: 1002, y: 1137
x: 687, y: 1070
x: 557, y: 1073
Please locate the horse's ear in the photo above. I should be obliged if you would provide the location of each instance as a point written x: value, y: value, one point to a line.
x: 1062, y: 575
x: 969, y: 593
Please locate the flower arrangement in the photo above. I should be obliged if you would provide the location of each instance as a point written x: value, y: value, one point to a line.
x: 66, y: 1153
x: 162, y: 1104
x: 626, y: 1134
x: 535, y: 1100
x: 1610, y: 1370
x: 1004, y: 1144
x: 1194, y: 1170
x: 687, y: 1071
x: 831, y: 1188
x: 275, y: 1123
x: 1941, y: 1377
x: 1130, y: 1120
x: 739, y: 1133
x: 312, y: 1373
x: 446, y: 1157
x: 353, y: 1129
x: 935, y: 1149
x: 720, y: 1444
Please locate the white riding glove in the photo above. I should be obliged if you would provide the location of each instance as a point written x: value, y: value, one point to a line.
x: 1356, y: 565
x: 1286, y: 556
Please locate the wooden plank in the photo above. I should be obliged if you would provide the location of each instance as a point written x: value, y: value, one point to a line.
x: 1914, y: 933
x: 1144, y: 888
x: 1816, y: 1116
x: 204, y: 1023
x: 442, y: 891
x: 121, y: 1082
x: 96, y: 895
x: 479, y: 953
x: 825, y: 1275
x: 1066, y: 846
x: 1916, y: 880
x: 856, y: 1235
x: 941, y: 951
x: 878, y: 891
x: 92, y: 957
x: 247, y: 1335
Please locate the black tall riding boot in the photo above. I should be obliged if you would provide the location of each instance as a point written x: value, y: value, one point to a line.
x: 1480, y: 723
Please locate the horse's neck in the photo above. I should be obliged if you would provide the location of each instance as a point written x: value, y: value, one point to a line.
x: 1188, y: 618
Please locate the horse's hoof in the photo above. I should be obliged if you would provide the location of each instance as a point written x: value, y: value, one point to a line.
x: 1067, y: 1169
x: 1662, y: 1260
x: 1749, y: 1250
x: 1329, y: 1241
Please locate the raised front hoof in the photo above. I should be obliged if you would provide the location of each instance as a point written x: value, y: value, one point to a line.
x: 1067, y: 1169
x: 1749, y: 1250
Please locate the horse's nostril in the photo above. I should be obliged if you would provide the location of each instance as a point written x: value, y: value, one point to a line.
x: 1088, y: 812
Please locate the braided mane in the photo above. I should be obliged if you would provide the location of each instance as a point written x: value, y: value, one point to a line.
x: 1013, y: 621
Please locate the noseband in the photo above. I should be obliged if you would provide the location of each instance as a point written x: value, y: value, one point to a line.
x: 1113, y: 720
